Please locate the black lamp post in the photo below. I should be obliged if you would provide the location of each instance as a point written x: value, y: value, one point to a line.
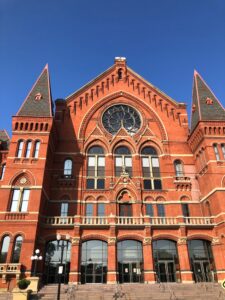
x: 36, y: 258
x: 60, y: 267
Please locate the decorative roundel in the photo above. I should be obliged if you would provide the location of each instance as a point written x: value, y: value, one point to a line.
x: 118, y: 116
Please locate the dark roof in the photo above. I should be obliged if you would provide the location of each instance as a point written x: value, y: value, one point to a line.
x: 39, y: 101
x: 4, y: 140
x: 205, y: 105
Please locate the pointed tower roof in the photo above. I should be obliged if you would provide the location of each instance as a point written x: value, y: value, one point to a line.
x: 39, y: 101
x: 205, y: 105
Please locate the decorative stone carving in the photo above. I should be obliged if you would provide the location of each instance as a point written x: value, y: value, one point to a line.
x: 182, y: 241
x: 111, y: 240
x: 75, y: 241
x: 147, y: 241
x: 23, y: 180
x: 215, y: 240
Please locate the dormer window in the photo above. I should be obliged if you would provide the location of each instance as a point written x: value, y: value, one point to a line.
x: 38, y: 96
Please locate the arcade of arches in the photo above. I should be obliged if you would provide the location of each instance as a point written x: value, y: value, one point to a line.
x: 130, y: 264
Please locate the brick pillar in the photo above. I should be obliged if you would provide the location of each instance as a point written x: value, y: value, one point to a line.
x: 74, y: 276
x: 149, y: 274
x: 186, y: 275
x: 219, y: 261
x: 112, y: 261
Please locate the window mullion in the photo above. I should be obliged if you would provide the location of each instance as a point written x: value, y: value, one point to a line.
x: 19, y: 204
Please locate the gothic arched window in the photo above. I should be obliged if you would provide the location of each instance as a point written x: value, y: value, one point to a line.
x: 178, y: 168
x: 68, y: 166
x: 95, y: 168
x: 17, y: 249
x: 20, y: 148
x: 28, y: 149
x: 123, y: 161
x: 150, y: 169
x: 36, y: 149
x: 4, y: 249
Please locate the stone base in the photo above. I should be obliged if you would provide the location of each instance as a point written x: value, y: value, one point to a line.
x: 34, y: 284
x: 20, y: 295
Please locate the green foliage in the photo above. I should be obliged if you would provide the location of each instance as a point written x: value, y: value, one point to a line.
x: 23, y: 283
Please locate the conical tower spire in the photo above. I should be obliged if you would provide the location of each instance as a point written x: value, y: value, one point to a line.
x: 39, y: 101
x: 205, y: 105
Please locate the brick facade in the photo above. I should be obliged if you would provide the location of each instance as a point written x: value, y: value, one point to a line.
x: 191, y: 167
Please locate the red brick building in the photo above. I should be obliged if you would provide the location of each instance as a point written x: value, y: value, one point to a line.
x: 115, y: 173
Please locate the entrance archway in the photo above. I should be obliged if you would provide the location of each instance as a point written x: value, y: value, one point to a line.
x: 201, y: 257
x: 94, y: 262
x: 165, y: 260
x: 53, y: 258
x: 130, y: 261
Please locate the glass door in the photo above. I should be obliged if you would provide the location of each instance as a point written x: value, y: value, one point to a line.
x: 130, y: 272
x: 202, y: 271
x: 166, y: 271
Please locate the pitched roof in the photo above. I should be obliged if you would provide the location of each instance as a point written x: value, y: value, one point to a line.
x: 205, y: 105
x: 39, y: 101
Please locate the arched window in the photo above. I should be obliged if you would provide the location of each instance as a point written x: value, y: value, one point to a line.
x: 94, y: 262
x: 28, y: 149
x: 95, y: 168
x: 20, y: 148
x: 216, y: 151
x: 4, y: 249
x: 201, y: 257
x: 223, y: 150
x: 130, y: 261
x: 123, y: 161
x: 2, y: 171
x: 68, y: 166
x: 178, y: 168
x: 150, y: 169
x: 17, y: 249
x: 36, y: 149
x: 165, y: 260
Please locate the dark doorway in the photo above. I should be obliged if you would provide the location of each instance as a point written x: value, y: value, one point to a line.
x: 166, y: 271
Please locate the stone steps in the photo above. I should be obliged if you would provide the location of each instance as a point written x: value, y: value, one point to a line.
x: 134, y: 292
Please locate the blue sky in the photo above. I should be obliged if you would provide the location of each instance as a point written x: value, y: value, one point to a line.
x: 163, y: 40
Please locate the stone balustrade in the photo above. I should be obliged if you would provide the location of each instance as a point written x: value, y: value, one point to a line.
x: 9, y: 269
x: 129, y: 221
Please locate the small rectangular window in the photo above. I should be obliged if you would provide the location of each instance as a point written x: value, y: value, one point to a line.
x: 101, y: 209
x: 216, y: 151
x: 90, y: 184
x: 149, y: 210
x: 15, y: 200
x: 157, y: 184
x: 64, y: 209
x: 147, y: 184
x: 100, y: 184
x: 185, y: 210
x: 161, y: 210
x: 25, y: 199
x: 89, y: 209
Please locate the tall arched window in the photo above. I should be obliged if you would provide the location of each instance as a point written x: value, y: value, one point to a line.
x: 95, y: 168
x: 17, y: 249
x: 94, y: 262
x: 28, y: 149
x: 123, y: 161
x: 68, y: 166
x: 150, y: 169
x: 4, y: 249
x: 223, y: 150
x: 216, y: 151
x: 178, y: 168
x: 36, y: 149
x: 2, y: 170
x: 20, y: 148
x: 20, y: 199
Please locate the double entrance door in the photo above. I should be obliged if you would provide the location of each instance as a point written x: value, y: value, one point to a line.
x: 93, y: 273
x: 51, y: 273
x: 202, y: 272
x: 166, y: 271
x: 130, y: 272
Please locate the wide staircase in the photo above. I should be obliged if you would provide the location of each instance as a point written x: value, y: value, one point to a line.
x: 166, y: 291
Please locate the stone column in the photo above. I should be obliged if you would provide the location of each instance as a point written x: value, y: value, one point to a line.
x: 112, y: 261
x: 149, y: 274
x: 186, y: 275
x: 219, y: 261
x: 74, y: 276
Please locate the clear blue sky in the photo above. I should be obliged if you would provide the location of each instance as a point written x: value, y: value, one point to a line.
x: 163, y: 40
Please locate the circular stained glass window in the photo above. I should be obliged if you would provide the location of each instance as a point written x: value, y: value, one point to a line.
x: 118, y: 116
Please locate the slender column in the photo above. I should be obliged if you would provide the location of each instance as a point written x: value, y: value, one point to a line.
x: 186, y: 275
x: 149, y: 274
x: 112, y: 261
x: 219, y: 261
x: 74, y: 276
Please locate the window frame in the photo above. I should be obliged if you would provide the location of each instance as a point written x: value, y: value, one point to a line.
x: 19, y: 151
x: 13, y: 260
x: 20, y: 201
x: 123, y: 156
x: 95, y: 174
x: 179, y: 168
x: 28, y: 148
x: 216, y: 151
x: 68, y: 170
x: 6, y: 252
x: 3, y: 168
x: 37, y: 145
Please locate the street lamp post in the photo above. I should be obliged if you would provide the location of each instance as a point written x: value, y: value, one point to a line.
x: 36, y: 258
x: 60, y: 267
